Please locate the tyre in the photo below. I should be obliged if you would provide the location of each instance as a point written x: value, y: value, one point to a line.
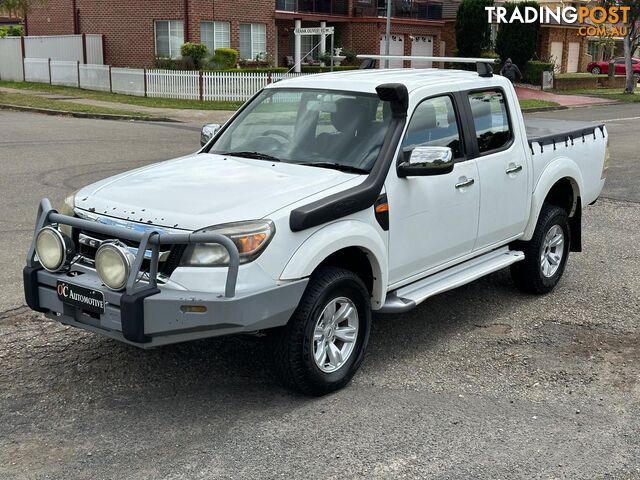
x: 323, y: 345
x: 595, y: 70
x: 545, y: 254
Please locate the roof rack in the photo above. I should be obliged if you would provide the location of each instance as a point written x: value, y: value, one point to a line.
x: 483, y: 65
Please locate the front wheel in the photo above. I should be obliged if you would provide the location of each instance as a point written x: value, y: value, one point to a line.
x: 323, y: 345
x: 595, y: 70
x: 545, y: 255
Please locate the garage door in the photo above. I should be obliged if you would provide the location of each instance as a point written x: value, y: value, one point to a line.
x: 396, y: 47
x: 556, y: 53
x: 421, y: 46
x: 573, y: 59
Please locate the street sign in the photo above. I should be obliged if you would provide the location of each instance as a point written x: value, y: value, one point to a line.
x: 314, y: 31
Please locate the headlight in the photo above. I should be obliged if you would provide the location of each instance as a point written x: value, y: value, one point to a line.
x: 55, y: 250
x: 250, y: 237
x: 113, y: 264
x: 67, y: 208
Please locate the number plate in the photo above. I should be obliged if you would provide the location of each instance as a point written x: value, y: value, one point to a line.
x: 90, y: 300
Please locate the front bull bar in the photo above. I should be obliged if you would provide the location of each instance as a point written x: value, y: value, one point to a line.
x: 147, y: 240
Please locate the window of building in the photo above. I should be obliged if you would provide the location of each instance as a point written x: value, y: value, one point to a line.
x: 215, y: 35
x: 433, y: 123
x: 169, y: 38
x: 253, y: 40
x: 491, y: 120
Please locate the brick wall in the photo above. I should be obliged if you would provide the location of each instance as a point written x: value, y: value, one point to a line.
x: 548, y: 35
x: 128, y: 27
x: 449, y: 37
x: 51, y: 18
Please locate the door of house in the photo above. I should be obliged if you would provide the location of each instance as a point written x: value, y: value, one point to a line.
x: 421, y: 46
x: 556, y: 54
x: 573, y: 58
x: 396, y: 47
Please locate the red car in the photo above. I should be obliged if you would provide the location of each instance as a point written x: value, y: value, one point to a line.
x: 620, y: 67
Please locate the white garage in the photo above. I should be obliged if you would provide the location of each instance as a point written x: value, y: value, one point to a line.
x: 556, y: 54
x: 421, y: 46
x: 573, y: 57
x: 396, y: 47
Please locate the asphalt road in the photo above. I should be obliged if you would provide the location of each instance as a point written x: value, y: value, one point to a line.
x: 481, y: 382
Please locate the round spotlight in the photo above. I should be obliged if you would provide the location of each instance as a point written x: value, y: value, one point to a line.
x: 54, y: 249
x: 113, y: 264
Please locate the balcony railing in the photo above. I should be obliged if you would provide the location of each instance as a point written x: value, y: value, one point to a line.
x: 321, y: 7
x: 415, y: 9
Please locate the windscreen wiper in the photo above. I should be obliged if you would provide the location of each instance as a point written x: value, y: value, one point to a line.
x: 255, y: 155
x: 336, y: 166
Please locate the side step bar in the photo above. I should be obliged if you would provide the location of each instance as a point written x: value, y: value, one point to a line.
x: 407, y: 297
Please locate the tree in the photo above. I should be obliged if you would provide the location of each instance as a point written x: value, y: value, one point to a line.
x: 518, y: 41
x: 18, y: 8
x: 631, y: 39
x: 473, y: 32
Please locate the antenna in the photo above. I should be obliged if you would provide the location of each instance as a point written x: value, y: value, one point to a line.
x: 483, y: 65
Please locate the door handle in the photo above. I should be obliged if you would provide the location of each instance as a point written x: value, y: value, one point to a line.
x: 466, y: 183
x: 515, y: 169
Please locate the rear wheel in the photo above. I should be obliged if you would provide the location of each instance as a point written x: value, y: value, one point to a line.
x: 545, y: 254
x: 595, y: 70
x: 323, y: 345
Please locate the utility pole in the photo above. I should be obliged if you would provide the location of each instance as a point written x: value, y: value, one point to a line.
x: 388, y: 34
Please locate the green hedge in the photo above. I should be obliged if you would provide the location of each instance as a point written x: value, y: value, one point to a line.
x: 305, y: 69
x: 534, y: 69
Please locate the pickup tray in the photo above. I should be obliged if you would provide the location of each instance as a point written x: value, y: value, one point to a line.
x: 546, y: 131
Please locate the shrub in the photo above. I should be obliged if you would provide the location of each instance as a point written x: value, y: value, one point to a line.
x: 223, y: 59
x: 319, y: 69
x: 473, y: 32
x: 518, y: 40
x: 533, y: 73
x: 195, y: 51
x: 349, y: 56
x: 494, y: 56
x: 325, y: 58
x: 185, y: 63
x: 10, y: 31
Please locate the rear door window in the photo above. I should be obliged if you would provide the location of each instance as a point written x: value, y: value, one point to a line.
x: 491, y: 120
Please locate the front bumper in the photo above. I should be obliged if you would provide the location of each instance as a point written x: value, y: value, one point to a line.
x: 148, y: 315
x: 160, y: 317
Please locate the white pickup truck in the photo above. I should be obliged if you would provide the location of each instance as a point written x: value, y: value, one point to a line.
x: 323, y: 199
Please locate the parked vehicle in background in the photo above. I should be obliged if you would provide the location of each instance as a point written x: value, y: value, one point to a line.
x: 323, y: 199
x: 619, y: 65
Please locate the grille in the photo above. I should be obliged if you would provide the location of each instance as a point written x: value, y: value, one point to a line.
x: 167, y: 266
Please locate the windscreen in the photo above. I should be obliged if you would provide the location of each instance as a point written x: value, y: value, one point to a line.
x: 309, y: 127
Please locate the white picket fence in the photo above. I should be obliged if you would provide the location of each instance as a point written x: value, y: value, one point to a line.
x: 173, y: 84
x: 185, y: 85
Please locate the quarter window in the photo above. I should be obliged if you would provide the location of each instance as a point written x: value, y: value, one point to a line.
x: 433, y: 123
x: 491, y: 120
x: 215, y: 35
x: 169, y: 38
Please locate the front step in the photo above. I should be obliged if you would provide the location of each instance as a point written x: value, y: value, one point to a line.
x: 407, y: 297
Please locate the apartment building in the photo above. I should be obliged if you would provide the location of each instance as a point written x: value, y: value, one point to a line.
x: 137, y: 31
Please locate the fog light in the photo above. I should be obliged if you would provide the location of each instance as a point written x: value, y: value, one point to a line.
x: 54, y: 249
x: 113, y: 264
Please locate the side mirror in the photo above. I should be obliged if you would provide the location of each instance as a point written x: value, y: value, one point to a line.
x: 425, y: 161
x: 207, y: 132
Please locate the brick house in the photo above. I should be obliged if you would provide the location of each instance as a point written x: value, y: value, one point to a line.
x: 135, y: 32
x: 558, y: 42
